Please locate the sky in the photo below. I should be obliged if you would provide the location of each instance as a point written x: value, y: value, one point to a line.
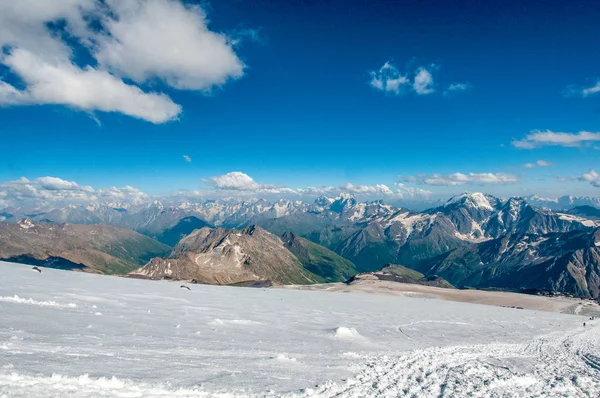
x: 394, y: 99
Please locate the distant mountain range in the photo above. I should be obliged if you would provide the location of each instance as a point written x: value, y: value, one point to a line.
x: 472, y: 239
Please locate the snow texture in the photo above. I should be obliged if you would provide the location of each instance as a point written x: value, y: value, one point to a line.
x: 154, y: 339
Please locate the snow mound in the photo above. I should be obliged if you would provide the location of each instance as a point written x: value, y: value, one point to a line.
x: 19, y: 300
x: 345, y: 333
x: 284, y: 358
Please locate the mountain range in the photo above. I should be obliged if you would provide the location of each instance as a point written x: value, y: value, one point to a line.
x: 460, y: 240
x: 93, y: 248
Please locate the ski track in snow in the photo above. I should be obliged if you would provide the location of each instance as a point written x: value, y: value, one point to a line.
x: 155, y: 340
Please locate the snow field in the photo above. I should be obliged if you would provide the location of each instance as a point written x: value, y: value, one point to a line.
x: 154, y: 339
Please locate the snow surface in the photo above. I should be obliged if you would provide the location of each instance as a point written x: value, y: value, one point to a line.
x: 114, y: 337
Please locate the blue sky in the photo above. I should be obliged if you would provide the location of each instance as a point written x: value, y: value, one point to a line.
x: 293, y: 99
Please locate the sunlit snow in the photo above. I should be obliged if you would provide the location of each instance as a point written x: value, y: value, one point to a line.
x: 82, y: 335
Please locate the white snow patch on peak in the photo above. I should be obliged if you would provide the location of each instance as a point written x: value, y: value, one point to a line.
x: 476, y: 199
x: 18, y: 300
x: 345, y: 333
x: 26, y: 223
x: 583, y: 221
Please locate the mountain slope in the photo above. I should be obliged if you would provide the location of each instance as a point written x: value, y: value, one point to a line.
x: 171, y: 236
x: 560, y: 262
x: 318, y: 259
x: 92, y: 248
x: 589, y: 212
x: 229, y: 256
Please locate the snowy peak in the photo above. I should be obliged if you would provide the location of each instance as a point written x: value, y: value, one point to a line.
x: 474, y: 200
x: 343, y: 202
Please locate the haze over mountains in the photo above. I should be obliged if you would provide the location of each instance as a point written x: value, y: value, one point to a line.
x: 472, y: 240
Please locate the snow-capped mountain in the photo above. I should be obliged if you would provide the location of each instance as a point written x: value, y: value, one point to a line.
x: 368, y: 234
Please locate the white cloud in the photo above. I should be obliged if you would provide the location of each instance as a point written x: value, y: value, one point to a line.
x: 579, y: 91
x: 58, y: 184
x: 187, y: 158
x: 461, y: 179
x: 539, y: 163
x: 234, y: 181
x: 412, y: 193
x: 537, y: 139
x: 168, y: 40
x: 592, y: 177
x: 457, y: 88
x: 127, y: 194
x: 326, y: 190
x: 591, y: 90
x: 86, y: 89
x: 389, y: 79
x: 144, y: 40
x: 420, y: 81
x: 243, y: 185
x: 367, y: 189
x: 423, y: 83
x: 50, y: 191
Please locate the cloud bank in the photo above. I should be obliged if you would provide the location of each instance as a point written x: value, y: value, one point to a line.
x: 538, y: 139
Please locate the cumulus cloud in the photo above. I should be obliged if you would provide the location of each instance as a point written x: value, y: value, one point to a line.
x: 63, y: 83
x: 539, y: 163
x: 367, y: 189
x: 58, y: 184
x: 461, y: 179
x: 168, y: 40
x: 388, y: 78
x: 537, y: 139
x: 234, y: 181
x: 423, y: 83
x: 49, y: 191
x: 142, y: 40
x: 420, y: 81
x: 592, y: 177
x: 187, y: 158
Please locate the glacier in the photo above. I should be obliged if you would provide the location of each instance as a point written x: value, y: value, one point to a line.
x: 84, y: 335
